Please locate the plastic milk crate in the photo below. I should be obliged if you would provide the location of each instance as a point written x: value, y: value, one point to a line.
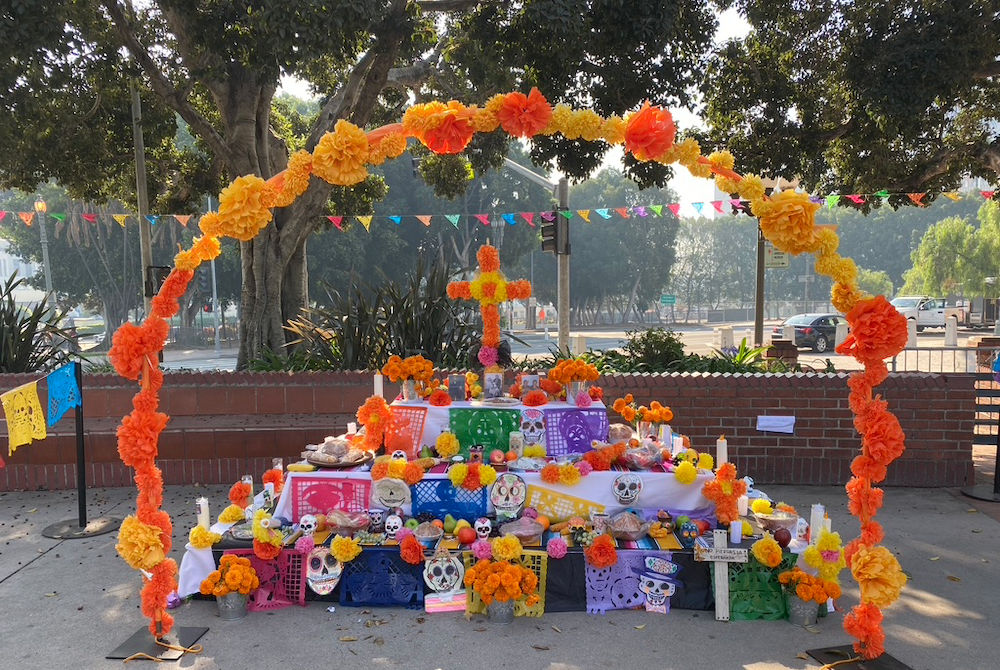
x: 439, y: 497
x: 379, y: 576
x: 282, y: 579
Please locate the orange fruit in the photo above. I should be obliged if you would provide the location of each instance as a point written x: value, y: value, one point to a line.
x: 511, y: 456
x: 438, y: 523
x: 544, y: 521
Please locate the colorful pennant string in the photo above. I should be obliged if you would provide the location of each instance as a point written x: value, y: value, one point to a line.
x: 622, y: 212
x: 183, y: 219
x: 337, y: 221
x: 27, y: 217
x: 366, y: 221
x: 424, y: 219
x: 120, y: 218
x: 675, y: 208
x: 64, y: 393
x: 584, y: 214
x: 603, y: 213
x: 483, y: 219
x: 25, y: 419
x: 58, y: 217
x: 453, y: 218
x: 509, y: 218
x: 152, y: 218
x: 566, y: 214
x: 396, y: 219
x: 527, y: 216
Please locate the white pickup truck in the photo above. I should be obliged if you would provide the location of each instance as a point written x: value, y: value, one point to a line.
x: 928, y: 312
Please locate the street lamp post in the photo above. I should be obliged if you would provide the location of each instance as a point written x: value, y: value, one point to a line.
x: 40, y: 209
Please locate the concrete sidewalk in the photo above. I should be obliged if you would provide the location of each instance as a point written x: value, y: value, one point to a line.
x: 67, y: 604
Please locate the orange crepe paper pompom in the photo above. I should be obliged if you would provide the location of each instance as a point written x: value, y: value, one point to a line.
x: 878, y: 331
x: 238, y: 494
x: 788, y: 221
x: 883, y: 436
x: 265, y: 550
x: 164, y: 305
x: 602, y: 553
x: 489, y: 258
x: 411, y: 550
x: 245, y: 208
x: 276, y: 477
x: 864, y: 623
x: 453, y: 131
x: 154, y: 597
x: 524, y: 115
x: 649, y: 133
x: 865, y: 500
x: 134, y: 346
x: 138, y: 435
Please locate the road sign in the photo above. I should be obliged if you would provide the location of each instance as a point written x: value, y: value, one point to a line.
x: 668, y: 299
x: 774, y: 258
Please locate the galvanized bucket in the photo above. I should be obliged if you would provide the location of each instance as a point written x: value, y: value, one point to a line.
x: 232, y: 606
x: 501, y: 612
x: 802, y: 613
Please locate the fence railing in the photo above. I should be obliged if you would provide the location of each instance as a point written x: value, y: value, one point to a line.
x: 953, y: 360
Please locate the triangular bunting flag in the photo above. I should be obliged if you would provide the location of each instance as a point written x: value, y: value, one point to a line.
x: 366, y: 221
x: 675, y: 207
x: 152, y: 218
x: 718, y: 206
x: 603, y: 213
x: 622, y: 212
x: 832, y: 200
x: 657, y: 209
x: 952, y: 195
x: 483, y: 219
x: 882, y: 194
x: 584, y: 214
x: 25, y: 418
x: 120, y: 218
x: 529, y: 217
x: 424, y: 219
x: 816, y: 199
x: 92, y: 218
x: 916, y: 198
x: 548, y: 216
x: 64, y: 393
x: 453, y: 218
x: 27, y: 217
x: 640, y: 212
x: 509, y: 218
x: 566, y: 214
x: 183, y: 219
x: 60, y: 217
x: 3, y: 215
x: 698, y: 206
x: 856, y: 199
x: 737, y: 204
x: 988, y: 194
x: 396, y: 219
x: 336, y: 220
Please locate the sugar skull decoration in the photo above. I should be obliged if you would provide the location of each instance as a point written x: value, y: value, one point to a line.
x: 443, y: 572
x: 627, y: 488
x: 533, y: 426
x: 484, y: 527
x: 377, y: 517
x: 399, y: 455
x: 323, y: 571
x: 388, y: 493
x: 657, y: 587
x: 393, y: 524
x: 308, y: 524
x: 688, y: 534
x: 508, y: 495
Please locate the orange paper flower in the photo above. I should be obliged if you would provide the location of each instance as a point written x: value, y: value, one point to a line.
x: 725, y: 491
x: 878, y: 574
x: 524, y: 115
x: 878, y: 331
x: 439, y: 398
x: 787, y: 220
x: 864, y: 622
x: 535, y: 399
x: 602, y: 553
x: 649, y: 133
x: 411, y: 550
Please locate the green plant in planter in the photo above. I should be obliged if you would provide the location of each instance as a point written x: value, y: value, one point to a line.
x: 30, y: 337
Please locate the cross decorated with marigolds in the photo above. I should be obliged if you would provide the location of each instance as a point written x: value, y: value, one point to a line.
x: 489, y: 288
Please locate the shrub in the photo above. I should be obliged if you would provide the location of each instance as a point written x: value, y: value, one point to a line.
x: 30, y: 338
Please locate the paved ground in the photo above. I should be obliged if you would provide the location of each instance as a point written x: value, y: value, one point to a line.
x: 67, y: 604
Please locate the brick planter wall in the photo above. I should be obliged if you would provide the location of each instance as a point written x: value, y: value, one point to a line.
x: 226, y: 424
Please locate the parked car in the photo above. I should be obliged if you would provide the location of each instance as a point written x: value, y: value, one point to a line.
x: 817, y: 331
x: 928, y: 312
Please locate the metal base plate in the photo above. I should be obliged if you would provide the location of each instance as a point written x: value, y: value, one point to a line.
x: 981, y: 492
x: 143, y: 643
x: 70, y: 530
x: 844, y: 652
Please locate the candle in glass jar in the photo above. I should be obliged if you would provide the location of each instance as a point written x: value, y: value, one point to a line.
x: 736, y: 532
x: 201, y: 510
x: 721, y: 451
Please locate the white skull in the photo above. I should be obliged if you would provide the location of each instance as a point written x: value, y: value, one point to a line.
x: 399, y: 455
x: 443, y: 573
x: 389, y: 493
x: 749, y: 480
x: 483, y: 528
x: 307, y: 524
x: 533, y: 426
x: 393, y: 524
x: 656, y: 590
x: 627, y: 488
x: 322, y: 571
x: 376, y: 516
x: 508, y: 495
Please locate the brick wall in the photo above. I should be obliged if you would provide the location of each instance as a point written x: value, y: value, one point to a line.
x: 226, y: 424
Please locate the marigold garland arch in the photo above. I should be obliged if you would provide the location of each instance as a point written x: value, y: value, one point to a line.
x: 342, y: 158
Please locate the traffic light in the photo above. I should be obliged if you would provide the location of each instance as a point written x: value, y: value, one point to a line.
x: 415, y: 164
x: 155, y: 276
x: 205, y: 280
x: 208, y: 306
x: 555, y: 236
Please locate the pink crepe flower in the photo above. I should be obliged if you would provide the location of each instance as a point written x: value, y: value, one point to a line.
x: 556, y: 547
x: 585, y: 468
x: 482, y: 550
x: 488, y: 356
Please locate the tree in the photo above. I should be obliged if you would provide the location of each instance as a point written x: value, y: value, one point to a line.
x: 875, y: 282
x: 217, y: 65
x: 856, y: 96
x: 955, y: 256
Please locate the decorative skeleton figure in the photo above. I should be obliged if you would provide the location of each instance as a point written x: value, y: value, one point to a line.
x: 443, y: 573
x: 388, y: 493
x: 508, y: 495
x: 322, y: 571
x: 376, y: 517
x: 627, y: 488
x: 483, y: 528
x: 657, y: 589
x: 689, y: 533
x: 533, y: 426
x: 393, y: 524
x: 308, y: 524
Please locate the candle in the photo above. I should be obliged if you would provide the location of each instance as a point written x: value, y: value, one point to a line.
x: 736, y: 532
x: 201, y: 510
x: 352, y: 428
x: 743, y: 505
x: 678, y: 445
x: 379, y: 387
x: 827, y: 526
x: 721, y: 451
x: 816, y: 516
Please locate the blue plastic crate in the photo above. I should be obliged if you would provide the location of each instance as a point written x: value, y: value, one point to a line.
x: 439, y: 497
x: 379, y: 576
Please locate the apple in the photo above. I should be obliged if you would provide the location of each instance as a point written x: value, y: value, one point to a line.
x: 412, y: 523
x: 783, y: 537
x: 466, y: 535
x: 497, y: 457
x: 703, y: 526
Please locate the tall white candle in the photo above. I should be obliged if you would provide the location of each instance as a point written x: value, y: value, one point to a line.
x: 678, y: 445
x: 743, y: 505
x: 201, y: 509
x: 379, y: 385
x: 721, y: 451
x: 816, y: 522
x: 736, y: 532
x: 352, y: 428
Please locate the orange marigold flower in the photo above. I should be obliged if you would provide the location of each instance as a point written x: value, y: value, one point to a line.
x: 602, y: 553
x: 878, y: 331
x: 524, y: 115
x: 650, y: 132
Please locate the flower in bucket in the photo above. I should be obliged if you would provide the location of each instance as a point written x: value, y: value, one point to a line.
x: 809, y: 588
x: 235, y: 575
x: 501, y: 581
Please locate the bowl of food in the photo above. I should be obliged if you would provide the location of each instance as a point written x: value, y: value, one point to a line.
x: 777, y: 519
x: 528, y: 531
x: 341, y: 522
x: 627, y: 526
x: 428, y: 534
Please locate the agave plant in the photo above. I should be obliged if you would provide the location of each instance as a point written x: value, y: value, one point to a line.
x: 30, y: 337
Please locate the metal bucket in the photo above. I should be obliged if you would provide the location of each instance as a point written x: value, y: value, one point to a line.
x: 501, y: 612
x: 802, y: 613
x: 232, y: 606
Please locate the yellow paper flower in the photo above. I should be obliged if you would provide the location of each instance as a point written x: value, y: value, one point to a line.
x: 205, y: 248
x: 210, y: 224
x: 420, y: 118
x: 845, y: 297
x: 762, y: 506
x: 726, y: 185
x: 232, y: 514
x: 506, y: 548
x: 446, y: 445
x: 296, y: 178
x: 391, y: 146
x: 747, y: 529
x: 787, y: 220
x: 265, y: 535
x: 457, y: 474
x: 878, y: 574
x: 487, y: 475
x: 244, y: 208
x: 489, y: 288
x: 723, y: 159
x: 613, y: 130
x: 562, y: 117
x: 688, y: 151
x: 767, y: 551
x: 826, y: 556
x: 686, y: 473
x: 751, y: 188
x: 202, y: 538
x: 340, y: 156
x: 140, y: 544
x: 344, y: 549
x: 534, y: 451
x: 587, y: 124
x: 569, y: 475
x: 827, y: 240
x: 700, y: 170
x: 705, y: 461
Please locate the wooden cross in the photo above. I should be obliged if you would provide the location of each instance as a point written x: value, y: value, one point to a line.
x: 490, y: 288
x: 722, y: 555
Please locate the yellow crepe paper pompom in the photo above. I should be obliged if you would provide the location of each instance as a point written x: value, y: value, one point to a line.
x: 747, y: 529
x: 827, y: 240
x: 588, y: 124
x: 205, y: 248
x: 787, y: 220
x: 506, y: 548
x: 723, y: 159
x: 420, y: 118
x: 344, y: 549
x: 562, y: 118
x: 699, y: 170
x: 202, y: 538
x: 210, y: 224
x: 705, y: 461
x: 569, y: 475
x: 244, y: 208
x: 751, y: 188
x: 762, y: 506
x: 340, y: 156
x: 688, y: 151
x: 296, y: 178
x: 878, y: 575
x: 446, y: 445
x: 767, y: 551
x: 485, y: 120
x: 845, y: 297
x: 457, y: 474
x: 613, y: 130
x: 232, y: 514
x: 140, y: 544
x: 826, y: 556
x: 487, y: 475
x: 391, y: 146
x: 534, y: 451
x: 686, y: 473
x: 726, y: 185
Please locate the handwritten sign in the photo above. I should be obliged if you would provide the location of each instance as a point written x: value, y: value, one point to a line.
x: 727, y: 555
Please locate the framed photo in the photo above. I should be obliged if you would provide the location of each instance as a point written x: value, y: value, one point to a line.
x: 493, y: 385
x: 529, y: 383
x: 456, y: 387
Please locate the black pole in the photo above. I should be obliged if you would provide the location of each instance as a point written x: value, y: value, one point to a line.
x: 81, y: 472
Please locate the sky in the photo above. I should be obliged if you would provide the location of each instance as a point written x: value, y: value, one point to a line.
x: 690, y: 189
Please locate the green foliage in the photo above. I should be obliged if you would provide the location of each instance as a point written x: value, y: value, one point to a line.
x: 654, y: 349
x: 299, y: 360
x: 448, y: 175
x: 30, y: 337
x: 875, y: 282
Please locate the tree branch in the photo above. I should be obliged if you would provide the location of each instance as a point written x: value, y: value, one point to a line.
x: 177, y: 99
x: 448, y: 5
x: 328, y: 115
x: 935, y: 166
x: 987, y: 72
